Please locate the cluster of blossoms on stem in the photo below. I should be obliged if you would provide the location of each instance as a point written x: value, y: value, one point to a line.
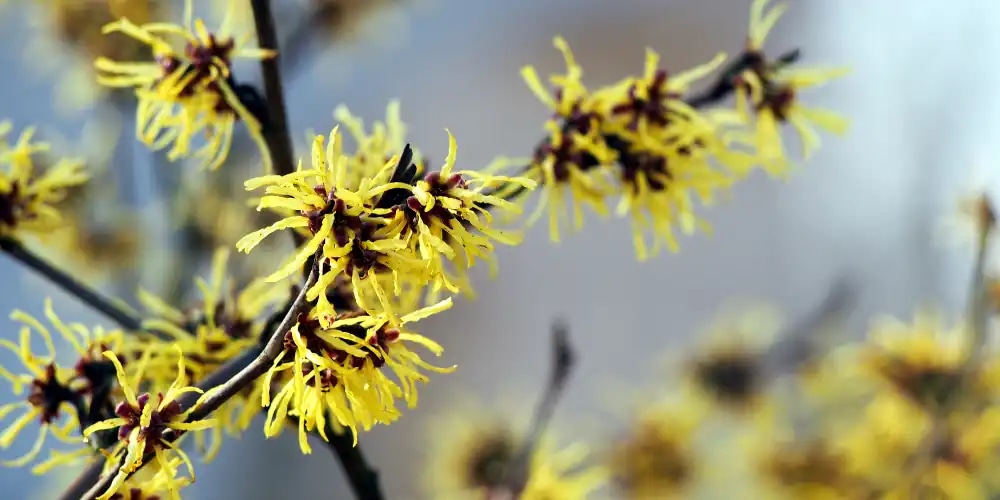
x: 148, y: 427
x: 661, y: 148
x: 381, y: 234
x: 189, y: 88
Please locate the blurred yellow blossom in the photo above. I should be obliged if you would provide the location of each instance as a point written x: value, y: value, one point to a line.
x: 188, y: 91
x: 58, y: 397
x: 656, y: 457
x: 28, y: 195
x: 67, y: 38
x: 473, y: 449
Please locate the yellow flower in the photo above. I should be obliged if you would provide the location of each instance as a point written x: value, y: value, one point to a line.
x: 223, y: 326
x: 654, y: 101
x: 566, y: 165
x: 667, y: 152
x: 346, y: 225
x: 188, y: 92
x: 27, y: 195
x: 339, y: 372
x: 641, y: 133
x: 893, y: 449
x: 154, y: 482
x: 659, y: 193
x: 767, y: 95
x: 568, y: 161
x: 561, y: 473
x: 148, y: 427
x: 447, y: 219
x: 570, y: 94
x: 656, y: 458
x: 817, y: 468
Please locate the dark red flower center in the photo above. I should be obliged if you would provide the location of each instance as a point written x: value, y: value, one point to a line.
x: 308, y: 331
x: 159, y: 418
x: 48, y: 394
x: 652, y: 107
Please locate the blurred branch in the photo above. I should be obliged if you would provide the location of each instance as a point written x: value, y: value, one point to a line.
x: 978, y: 318
x: 519, y: 468
x: 798, y: 343
x: 725, y: 84
x: 71, y: 285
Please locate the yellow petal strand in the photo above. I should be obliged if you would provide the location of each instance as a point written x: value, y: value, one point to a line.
x: 122, y: 379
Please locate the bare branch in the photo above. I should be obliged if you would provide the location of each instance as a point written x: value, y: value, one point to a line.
x: 71, y: 285
x: 275, y: 130
x: 563, y: 361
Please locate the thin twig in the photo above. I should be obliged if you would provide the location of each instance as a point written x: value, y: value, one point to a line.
x: 71, y: 285
x: 279, y: 140
x: 519, y: 468
x: 220, y: 386
x: 798, y: 344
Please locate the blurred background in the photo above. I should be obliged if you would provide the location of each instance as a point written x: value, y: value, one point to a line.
x: 920, y: 98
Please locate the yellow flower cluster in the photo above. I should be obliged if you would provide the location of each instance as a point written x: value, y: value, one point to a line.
x: 335, y: 377
x: 189, y: 88
x: 648, y: 139
x: 369, y: 219
x: 379, y: 234
x: 67, y: 400
x: 28, y: 189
